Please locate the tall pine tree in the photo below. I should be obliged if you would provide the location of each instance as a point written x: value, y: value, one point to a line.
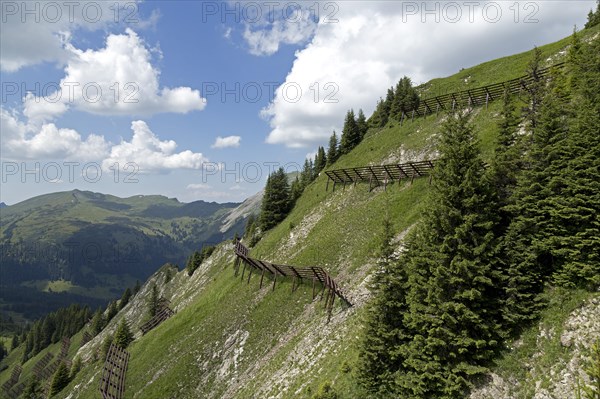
x: 123, y: 335
x: 384, y: 332
x: 333, y: 149
x: 579, y: 205
x: 350, y: 133
x: 320, y: 160
x: 361, y: 124
x: 60, y: 379
x: 530, y: 239
x: 452, y: 313
x: 276, y: 200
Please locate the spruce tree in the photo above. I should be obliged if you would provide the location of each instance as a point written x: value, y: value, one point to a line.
x: 405, y: 98
x: 502, y: 175
x: 531, y: 239
x: 387, y: 106
x: 153, y: 301
x: 111, y: 311
x: 593, y: 17
x: 75, y: 367
x: 33, y: 389
x: 125, y: 298
x: 105, y: 347
x: 361, y: 123
x: 384, y: 332
x: 320, y: 160
x: 578, y: 204
x: 506, y: 161
x: 535, y: 91
x: 332, y: 150
x: 98, y: 322
x: 123, y: 335
x: 350, y: 133
x: 378, y: 119
x: 295, y: 191
x: 452, y: 315
x: 60, y: 379
x: 307, y: 174
x: 276, y: 200
x: 194, y: 261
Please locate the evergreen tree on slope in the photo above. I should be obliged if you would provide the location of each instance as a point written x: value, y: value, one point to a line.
x: 276, y: 200
x: 378, y: 357
x: 452, y: 313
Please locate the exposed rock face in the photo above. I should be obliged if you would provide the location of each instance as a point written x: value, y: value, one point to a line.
x: 579, y: 332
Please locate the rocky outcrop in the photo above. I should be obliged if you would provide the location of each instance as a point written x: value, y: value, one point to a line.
x: 559, y: 381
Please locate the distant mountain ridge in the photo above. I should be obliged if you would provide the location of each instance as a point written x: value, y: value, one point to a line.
x: 98, y: 244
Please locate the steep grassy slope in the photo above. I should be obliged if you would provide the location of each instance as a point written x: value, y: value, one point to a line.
x: 229, y: 339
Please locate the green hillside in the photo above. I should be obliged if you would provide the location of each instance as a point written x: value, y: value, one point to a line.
x: 68, y: 246
x: 230, y: 339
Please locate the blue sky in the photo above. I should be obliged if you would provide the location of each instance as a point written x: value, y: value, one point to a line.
x: 201, y: 99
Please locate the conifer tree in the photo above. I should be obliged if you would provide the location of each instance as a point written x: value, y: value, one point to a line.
x: 378, y: 119
x: 307, y: 174
x: 405, y: 98
x: 384, y: 331
x: 295, y: 191
x: 105, y: 347
x: 123, y: 336
x: 75, y: 367
x: 578, y: 203
x: 530, y: 239
x: 320, y: 160
x: 332, y: 150
x: 153, y: 301
x: 111, y: 311
x: 350, y: 133
x: 276, y: 200
x: 125, y: 298
x: 452, y: 315
x: 535, y: 90
x: 194, y: 261
x: 137, y: 287
x: 60, y: 379
x: 593, y: 17
x: 33, y: 389
x: 387, y: 106
x: 98, y: 322
x: 502, y: 175
x: 361, y: 123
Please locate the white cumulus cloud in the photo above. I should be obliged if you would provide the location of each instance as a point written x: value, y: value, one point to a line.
x: 26, y: 141
x: 118, y: 79
x: 149, y: 153
x: 23, y: 141
x: 227, y: 142
x: 35, y: 32
x: 266, y: 41
x: 351, y: 63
